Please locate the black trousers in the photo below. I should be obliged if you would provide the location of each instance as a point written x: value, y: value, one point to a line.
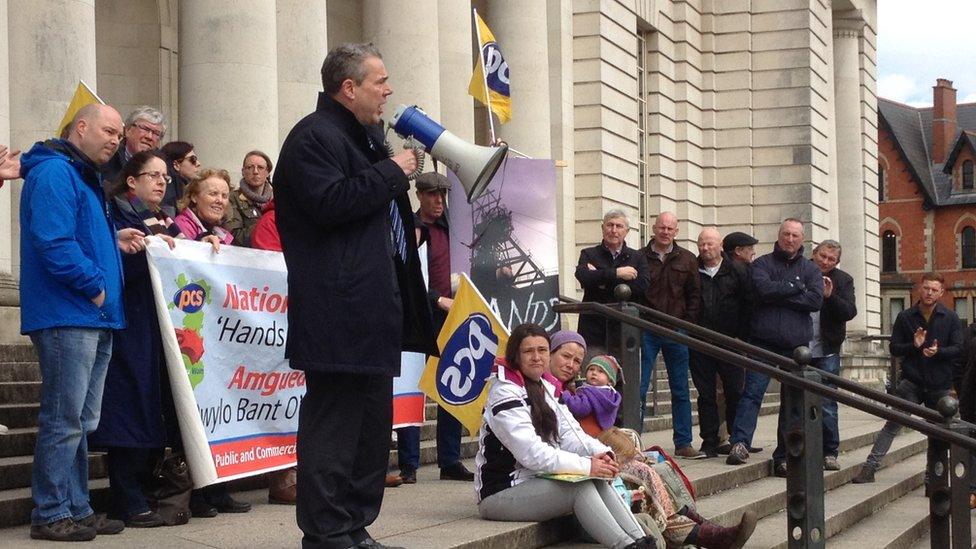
x: 344, y: 427
x: 703, y: 371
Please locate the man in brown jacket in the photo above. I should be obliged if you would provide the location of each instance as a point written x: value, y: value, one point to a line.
x: 675, y: 290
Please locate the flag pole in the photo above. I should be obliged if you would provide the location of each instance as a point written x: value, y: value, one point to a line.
x: 484, y: 74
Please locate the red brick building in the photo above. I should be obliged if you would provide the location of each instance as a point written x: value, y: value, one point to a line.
x: 927, y: 200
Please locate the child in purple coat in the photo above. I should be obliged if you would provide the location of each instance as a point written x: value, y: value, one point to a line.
x: 596, y: 402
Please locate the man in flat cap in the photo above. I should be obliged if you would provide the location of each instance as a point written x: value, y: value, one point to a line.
x: 432, y: 229
x: 740, y: 247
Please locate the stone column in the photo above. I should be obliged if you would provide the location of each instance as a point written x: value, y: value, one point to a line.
x: 850, y: 163
x: 520, y: 29
x: 456, y: 63
x: 302, y: 45
x: 6, y: 221
x: 406, y: 33
x: 228, y: 80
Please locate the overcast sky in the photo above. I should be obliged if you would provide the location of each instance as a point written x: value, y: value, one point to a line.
x: 921, y: 40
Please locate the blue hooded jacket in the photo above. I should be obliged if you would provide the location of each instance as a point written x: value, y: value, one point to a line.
x: 68, y: 251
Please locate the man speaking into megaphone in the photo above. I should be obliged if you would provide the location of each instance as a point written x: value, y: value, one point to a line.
x: 356, y: 295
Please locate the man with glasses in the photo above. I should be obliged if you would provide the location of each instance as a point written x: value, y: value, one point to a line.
x: 674, y: 289
x: 145, y: 128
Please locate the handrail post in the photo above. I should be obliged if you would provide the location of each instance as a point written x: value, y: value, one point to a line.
x: 804, y: 460
x: 949, y: 477
x: 623, y: 342
x: 960, y: 458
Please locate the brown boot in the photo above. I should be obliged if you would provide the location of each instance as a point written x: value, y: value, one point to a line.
x: 713, y: 536
x: 282, y: 486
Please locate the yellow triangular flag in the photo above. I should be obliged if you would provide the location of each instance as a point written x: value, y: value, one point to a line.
x: 497, y: 78
x: 83, y: 96
x: 470, y: 340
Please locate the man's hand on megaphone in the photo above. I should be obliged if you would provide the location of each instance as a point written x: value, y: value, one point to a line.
x: 407, y: 161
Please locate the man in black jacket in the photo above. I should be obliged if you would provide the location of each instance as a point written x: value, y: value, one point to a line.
x: 927, y: 337
x: 356, y: 295
x: 601, y: 268
x: 726, y: 293
x: 788, y: 288
x: 829, y: 332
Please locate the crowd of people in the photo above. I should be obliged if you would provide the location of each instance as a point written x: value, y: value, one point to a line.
x: 339, y: 212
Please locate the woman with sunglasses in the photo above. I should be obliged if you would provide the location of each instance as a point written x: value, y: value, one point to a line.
x: 182, y: 166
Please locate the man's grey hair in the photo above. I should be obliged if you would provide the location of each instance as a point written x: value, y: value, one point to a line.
x: 345, y: 62
x: 616, y: 213
x: 149, y: 114
x: 830, y: 245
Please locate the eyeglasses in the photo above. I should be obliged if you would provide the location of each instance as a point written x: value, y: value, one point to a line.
x: 193, y: 159
x: 156, y: 176
x: 258, y: 167
x: 154, y: 132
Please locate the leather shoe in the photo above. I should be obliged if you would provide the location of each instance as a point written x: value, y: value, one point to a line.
x: 226, y: 504
x: 779, y: 469
x: 370, y: 543
x: 200, y: 508
x: 408, y: 475
x: 456, y: 472
x: 392, y: 481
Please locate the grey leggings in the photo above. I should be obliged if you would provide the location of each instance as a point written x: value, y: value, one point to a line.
x: 595, y: 503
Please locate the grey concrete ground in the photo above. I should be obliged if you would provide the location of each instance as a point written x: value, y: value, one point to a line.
x: 429, y: 514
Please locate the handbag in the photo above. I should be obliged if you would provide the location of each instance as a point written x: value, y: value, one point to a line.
x: 169, y: 489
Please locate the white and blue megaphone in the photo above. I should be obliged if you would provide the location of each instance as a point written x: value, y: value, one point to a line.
x: 473, y: 165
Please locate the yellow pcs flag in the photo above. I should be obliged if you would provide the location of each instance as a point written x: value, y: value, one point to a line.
x: 469, y: 341
x: 490, y: 56
x: 83, y: 96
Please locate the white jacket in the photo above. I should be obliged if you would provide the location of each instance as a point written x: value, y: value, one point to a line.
x: 509, y: 449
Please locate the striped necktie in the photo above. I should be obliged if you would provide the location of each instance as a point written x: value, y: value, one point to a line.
x: 397, y: 236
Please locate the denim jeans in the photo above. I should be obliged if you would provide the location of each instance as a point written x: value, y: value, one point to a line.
x: 73, y: 364
x: 912, y: 393
x: 828, y: 407
x: 676, y: 361
x: 747, y: 413
x: 448, y: 442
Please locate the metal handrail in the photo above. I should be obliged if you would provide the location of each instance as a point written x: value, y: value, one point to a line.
x: 782, y: 375
x: 781, y: 361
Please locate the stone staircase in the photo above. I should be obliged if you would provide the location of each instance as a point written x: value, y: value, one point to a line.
x: 889, y: 513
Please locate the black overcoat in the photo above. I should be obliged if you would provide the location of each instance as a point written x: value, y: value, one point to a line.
x: 352, y: 305
x: 137, y: 404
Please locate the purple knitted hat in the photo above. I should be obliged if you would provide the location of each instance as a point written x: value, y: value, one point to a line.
x: 563, y: 337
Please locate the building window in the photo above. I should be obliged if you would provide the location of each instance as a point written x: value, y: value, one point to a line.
x: 969, y: 248
x: 881, y: 188
x: 895, y: 306
x: 642, y: 125
x: 889, y: 253
x: 961, y: 305
x: 967, y: 175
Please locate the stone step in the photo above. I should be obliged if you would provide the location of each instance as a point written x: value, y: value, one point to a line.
x: 767, y: 496
x: 19, y: 371
x: 20, y: 392
x: 849, y: 503
x: 17, y: 353
x: 15, y: 472
x: 16, y: 504
x: 897, y: 525
x: 19, y: 415
x: 925, y: 541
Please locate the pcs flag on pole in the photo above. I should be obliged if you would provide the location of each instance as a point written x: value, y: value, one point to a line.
x: 493, y: 68
x: 470, y: 340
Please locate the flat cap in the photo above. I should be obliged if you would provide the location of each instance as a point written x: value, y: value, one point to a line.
x: 432, y: 181
x: 736, y: 239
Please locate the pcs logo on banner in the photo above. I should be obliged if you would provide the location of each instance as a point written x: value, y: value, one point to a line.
x: 470, y: 340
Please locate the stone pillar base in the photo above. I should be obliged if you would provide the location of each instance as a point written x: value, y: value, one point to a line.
x: 865, y: 361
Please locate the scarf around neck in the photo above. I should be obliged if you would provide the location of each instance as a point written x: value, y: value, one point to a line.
x: 260, y: 198
x: 154, y: 219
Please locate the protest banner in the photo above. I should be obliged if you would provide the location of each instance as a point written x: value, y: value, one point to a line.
x: 223, y: 319
x: 506, y: 241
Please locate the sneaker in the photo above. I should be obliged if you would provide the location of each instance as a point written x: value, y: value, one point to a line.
x: 102, y: 524
x: 149, y: 519
x: 723, y: 449
x: 779, y: 469
x: 457, y: 472
x: 3, y: 429
x: 864, y: 476
x: 688, y: 452
x: 831, y: 463
x: 409, y: 475
x: 738, y: 455
x: 709, y: 451
x: 62, y: 530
